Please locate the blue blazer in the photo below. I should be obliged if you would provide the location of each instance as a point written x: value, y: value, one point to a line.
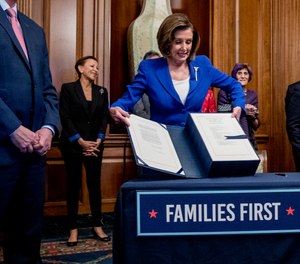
x: 27, y: 96
x: 154, y: 79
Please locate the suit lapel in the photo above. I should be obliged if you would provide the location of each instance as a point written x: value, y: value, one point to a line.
x: 27, y: 34
x: 4, y: 22
x: 80, y: 95
x: 95, y: 98
x: 164, y: 77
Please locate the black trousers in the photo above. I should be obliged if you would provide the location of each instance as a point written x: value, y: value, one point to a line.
x: 92, y: 165
x: 21, y: 209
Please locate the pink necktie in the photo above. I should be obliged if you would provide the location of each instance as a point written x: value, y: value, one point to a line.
x: 17, y: 29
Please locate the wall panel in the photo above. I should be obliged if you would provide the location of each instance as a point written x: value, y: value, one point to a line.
x: 263, y: 33
x: 62, y: 40
x: 285, y: 70
x: 254, y: 48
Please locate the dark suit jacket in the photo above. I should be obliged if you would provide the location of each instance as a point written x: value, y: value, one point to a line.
x: 76, y: 118
x: 27, y: 95
x: 292, y: 110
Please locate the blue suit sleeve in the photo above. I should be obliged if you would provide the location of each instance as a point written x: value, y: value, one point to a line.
x: 227, y: 83
x: 134, y: 91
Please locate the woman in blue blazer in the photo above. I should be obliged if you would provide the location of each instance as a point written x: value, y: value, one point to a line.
x: 83, y: 112
x: 177, y: 83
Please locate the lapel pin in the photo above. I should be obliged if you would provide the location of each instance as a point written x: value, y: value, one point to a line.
x: 196, y: 73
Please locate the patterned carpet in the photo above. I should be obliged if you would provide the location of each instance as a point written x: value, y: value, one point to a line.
x: 88, y: 250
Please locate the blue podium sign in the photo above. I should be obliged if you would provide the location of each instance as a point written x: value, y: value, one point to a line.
x: 188, y: 213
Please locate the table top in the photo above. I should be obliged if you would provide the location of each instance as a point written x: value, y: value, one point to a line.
x: 259, y: 180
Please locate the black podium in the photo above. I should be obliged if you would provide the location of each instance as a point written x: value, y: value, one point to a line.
x: 131, y: 248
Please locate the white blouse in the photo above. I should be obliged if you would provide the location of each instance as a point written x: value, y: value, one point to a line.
x: 182, y: 88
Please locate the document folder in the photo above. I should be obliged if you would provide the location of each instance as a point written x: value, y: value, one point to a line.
x: 210, y: 145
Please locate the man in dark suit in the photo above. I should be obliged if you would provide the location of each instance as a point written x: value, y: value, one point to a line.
x: 28, y: 120
x: 292, y: 110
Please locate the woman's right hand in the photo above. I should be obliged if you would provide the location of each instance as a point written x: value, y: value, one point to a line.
x: 119, y: 115
x: 88, y: 147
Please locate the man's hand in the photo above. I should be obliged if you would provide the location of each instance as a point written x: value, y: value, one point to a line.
x: 44, y: 143
x: 24, y: 139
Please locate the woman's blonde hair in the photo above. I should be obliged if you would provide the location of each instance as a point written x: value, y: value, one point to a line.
x: 166, y: 33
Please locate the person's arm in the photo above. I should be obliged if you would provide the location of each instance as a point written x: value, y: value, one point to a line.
x: 224, y: 102
x: 50, y: 103
x: 221, y: 80
x: 142, y: 107
x: 65, y: 111
x: 50, y: 96
x: 252, y: 110
x: 292, y: 109
x: 228, y: 84
x: 120, y: 109
x: 104, y: 117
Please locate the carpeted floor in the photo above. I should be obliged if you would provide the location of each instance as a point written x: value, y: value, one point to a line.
x: 88, y: 250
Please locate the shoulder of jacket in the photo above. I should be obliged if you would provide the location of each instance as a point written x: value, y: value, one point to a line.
x: 201, y: 59
x: 296, y: 84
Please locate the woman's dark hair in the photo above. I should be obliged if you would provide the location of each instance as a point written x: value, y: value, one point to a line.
x: 240, y: 66
x: 150, y: 54
x: 81, y: 62
x: 166, y: 33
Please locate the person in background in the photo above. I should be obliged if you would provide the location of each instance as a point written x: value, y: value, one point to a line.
x: 209, y: 104
x: 249, y: 119
x: 142, y: 107
x: 28, y: 121
x: 177, y: 83
x: 84, y: 113
x: 292, y: 111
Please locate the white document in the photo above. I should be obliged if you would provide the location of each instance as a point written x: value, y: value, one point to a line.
x: 153, y: 146
x: 224, y: 138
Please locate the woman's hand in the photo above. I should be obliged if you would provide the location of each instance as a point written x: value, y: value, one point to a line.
x: 92, y: 151
x: 90, y: 148
x: 236, y: 112
x: 251, y: 111
x: 119, y: 115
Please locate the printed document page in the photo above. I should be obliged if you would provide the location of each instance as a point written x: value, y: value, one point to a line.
x: 152, y: 145
x: 224, y: 137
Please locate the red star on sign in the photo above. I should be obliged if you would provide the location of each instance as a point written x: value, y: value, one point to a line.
x: 153, y: 214
x: 290, y: 211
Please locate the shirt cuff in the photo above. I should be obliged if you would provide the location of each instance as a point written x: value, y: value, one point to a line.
x: 50, y: 128
x: 74, y: 138
x: 101, y: 135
